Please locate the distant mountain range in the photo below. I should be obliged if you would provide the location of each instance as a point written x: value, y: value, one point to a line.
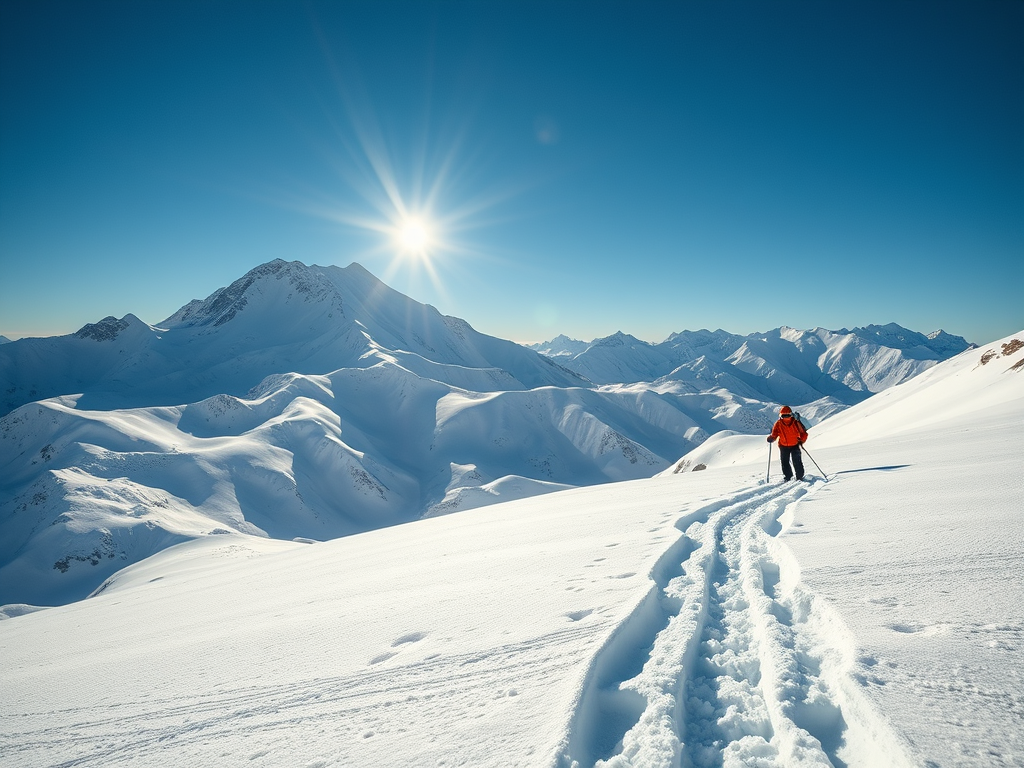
x: 314, y: 402
x: 783, y: 365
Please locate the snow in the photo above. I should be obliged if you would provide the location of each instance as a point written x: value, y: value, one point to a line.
x: 689, y: 619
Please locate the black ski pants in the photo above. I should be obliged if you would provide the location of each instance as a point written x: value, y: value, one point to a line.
x: 792, y: 452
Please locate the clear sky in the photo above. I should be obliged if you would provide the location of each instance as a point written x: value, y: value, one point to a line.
x: 574, y: 167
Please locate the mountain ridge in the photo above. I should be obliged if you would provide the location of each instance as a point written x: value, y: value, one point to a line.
x: 831, y: 363
x: 279, y: 317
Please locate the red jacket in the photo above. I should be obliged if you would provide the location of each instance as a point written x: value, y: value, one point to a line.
x: 789, y: 432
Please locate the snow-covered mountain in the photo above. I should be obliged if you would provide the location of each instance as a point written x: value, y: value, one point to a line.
x: 560, y: 346
x: 783, y: 365
x: 695, y: 618
x: 315, y: 402
x: 4, y: 339
x: 372, y: 434
x: 281, y: 317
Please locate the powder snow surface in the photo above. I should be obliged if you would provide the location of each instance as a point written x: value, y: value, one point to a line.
x: 693, y: 619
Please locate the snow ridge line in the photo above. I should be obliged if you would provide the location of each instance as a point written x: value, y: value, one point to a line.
x: 729, y: 661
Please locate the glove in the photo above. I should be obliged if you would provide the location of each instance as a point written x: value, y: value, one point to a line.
x: 769, y: 439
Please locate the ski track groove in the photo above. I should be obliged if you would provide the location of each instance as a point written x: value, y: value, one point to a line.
x: 729, y: 661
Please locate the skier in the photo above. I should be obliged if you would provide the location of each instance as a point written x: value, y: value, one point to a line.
x: 791, y: 435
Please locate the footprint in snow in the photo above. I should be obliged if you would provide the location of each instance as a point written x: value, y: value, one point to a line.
x: 412, y: 637
x: 577, y: 615
x: 919, y: 629
x: 406, y: 639
x: 885, y: 602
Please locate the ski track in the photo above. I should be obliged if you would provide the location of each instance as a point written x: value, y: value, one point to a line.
x: 730, y: 661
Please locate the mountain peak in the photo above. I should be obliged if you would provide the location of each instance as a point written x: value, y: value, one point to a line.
x: 618, y: 339
x: 563, y: 339
x: 224, y: 304
x: 897, y: 337
x: 947, y: 343
x: 109, y: 328
x: 355, y: 268
x: 559, y: 347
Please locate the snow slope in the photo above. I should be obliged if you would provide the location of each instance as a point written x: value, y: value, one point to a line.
x: 695, y: 618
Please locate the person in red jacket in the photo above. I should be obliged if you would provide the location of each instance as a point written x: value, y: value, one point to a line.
x: 791, y: 435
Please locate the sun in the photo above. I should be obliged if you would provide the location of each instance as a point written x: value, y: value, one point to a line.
x: 414, y: 235
x: 415, y: 208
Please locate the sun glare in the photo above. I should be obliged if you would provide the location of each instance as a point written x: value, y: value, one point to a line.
x: 414, y: 236
x: 411, y: 205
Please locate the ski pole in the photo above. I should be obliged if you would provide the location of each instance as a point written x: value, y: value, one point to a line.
x: 815, y: 463
x: 768, y: 473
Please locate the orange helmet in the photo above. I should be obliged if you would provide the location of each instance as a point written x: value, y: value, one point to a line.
x: 785, y: 409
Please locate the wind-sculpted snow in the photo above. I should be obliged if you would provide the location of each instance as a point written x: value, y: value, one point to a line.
x: 312, y: 457
x: 470, y: 496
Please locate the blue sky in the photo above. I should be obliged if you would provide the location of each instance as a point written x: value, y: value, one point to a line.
x: 583, y: 167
